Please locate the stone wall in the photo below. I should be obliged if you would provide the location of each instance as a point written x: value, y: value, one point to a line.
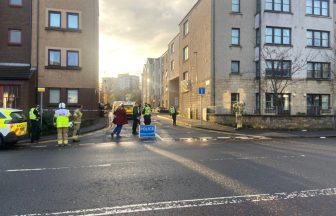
x: 277, y: 122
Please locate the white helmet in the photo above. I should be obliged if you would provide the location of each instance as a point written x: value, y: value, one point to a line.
x: 61, y: 105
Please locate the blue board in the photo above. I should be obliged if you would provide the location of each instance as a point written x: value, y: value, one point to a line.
x: 147, y: 131
x: 201, y: 91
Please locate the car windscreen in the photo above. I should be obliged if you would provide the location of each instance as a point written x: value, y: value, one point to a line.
x: 18, y: 117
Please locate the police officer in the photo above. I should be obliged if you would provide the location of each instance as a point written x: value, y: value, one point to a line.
x: 34, y: 117
x: 147, y: 111
x: 172, y: 111
x: 136, y: 118
x: 61, y: 120
x: 77, y: 119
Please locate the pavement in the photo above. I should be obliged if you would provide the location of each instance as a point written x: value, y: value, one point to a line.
x: 181, y: 121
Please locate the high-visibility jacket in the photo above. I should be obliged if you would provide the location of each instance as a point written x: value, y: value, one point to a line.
x: 62, y: 118
x: 172, y: 110
x: 32, y: 115
x: 148, y: 110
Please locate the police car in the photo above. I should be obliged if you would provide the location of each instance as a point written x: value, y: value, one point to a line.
x: 13, y: 125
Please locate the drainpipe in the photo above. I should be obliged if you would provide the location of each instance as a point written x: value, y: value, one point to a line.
x: 260, y: 22
x: 213, y: 80
x: 38, y: 49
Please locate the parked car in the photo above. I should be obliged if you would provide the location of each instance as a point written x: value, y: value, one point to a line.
x: 13, y: 125
x: 162, y: 110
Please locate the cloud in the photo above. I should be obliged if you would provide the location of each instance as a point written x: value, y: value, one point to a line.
x: 142, y: 27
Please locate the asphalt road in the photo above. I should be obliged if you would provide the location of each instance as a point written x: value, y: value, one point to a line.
x: 182, y: 172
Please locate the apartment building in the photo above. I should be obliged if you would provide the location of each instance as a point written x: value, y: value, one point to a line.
x: 65, y: 52
x: 128, y: 82
x: 17, y: 76
x: 152, y: 82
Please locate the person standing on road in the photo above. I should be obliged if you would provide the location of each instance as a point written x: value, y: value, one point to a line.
x: 61, y: 120
x: 147, y: 112
x: 77, y: 120
x: 172, y: 111
x: 34, y: 117
x: 120, y: 118
x: 136, y: 118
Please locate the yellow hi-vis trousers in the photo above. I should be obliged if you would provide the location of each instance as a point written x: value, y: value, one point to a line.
x: 62, y: 136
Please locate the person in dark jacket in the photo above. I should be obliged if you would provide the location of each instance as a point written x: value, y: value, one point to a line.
x: 120, y: 118
x: 136, y: 118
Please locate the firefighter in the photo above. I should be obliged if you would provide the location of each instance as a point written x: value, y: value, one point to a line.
x: 34, y: 117
x: 77, y: 119
x: 61, y: 120
x: 172, y: 111
x: 147, y: 112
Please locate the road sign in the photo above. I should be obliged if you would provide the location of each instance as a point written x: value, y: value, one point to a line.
x: 41, y: 89
x: 201, y: 91
x: 147, y: 131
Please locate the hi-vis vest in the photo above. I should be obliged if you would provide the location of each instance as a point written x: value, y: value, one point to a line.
x: 148, y: 110
x: 62, y: 118
x: 78, y: 116
x: 172, y: 110
x: 32, y: 115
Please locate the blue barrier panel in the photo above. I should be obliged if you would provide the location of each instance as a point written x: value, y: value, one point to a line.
x: 147, y: 131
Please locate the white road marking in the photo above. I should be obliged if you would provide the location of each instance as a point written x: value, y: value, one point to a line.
x: 223, y: 137
x: 254, y: 158
x: 194, y: 203
x: 158, y: 136
x: 59, y: 168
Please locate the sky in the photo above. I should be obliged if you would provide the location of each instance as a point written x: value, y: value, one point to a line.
x: 133, y: 30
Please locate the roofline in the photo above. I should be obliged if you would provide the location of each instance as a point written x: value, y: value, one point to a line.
x: 178, y: 34
x: 190, y: 11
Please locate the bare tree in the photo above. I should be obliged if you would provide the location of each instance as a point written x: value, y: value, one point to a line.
x: 281, y: 64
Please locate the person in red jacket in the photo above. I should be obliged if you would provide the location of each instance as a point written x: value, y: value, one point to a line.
x: 120, y: 118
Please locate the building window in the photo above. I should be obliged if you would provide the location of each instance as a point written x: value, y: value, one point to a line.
x: 54, y: 58
x: 282, y: 103
x: 318, y: 70
x: 235, y: 7
x: 185, y: 53
x: 317, y: 103
x: 235, y: 67
x: 235, y: 36
x: 317, y: 7
x: 186, y: 28
x: 72, y: 58
x: 172, y: 48
x: 72, y: 20
x: 257, y: 103
x: 172, y: 65
x: 72, y: 96
x: 278, y: 36
x: 15, y: 37
x: 10, y: 96
x: 317, y: 38
x: 257, y: 65
x: 278, y: 5
x: 278, y: 68
x: 258, y: 36
x: 15, y: 3
x: 54, y: 96
x: 54, y: 19
x: 186, y: 75
x: 234, y: 99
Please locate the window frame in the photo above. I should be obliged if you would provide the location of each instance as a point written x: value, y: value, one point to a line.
x: 274, y: 71
x: 9, y: 37
x: 49, y: 20
x: 60, y: 53
x: 67, y: 17
x: 185, y: 75
x: 233, y: 3
x: 238, y: 64
x: 235, y: 37
x: 67, y: 58
x: 186, y: 53
x: 72, y: 89
x: 281, y: 5
x: 313, y: 109
x: 274, y: 28
x: 186, y: 28
x: 320, y: 38
x: 318, y: 7
x: 314, y: 71
x: 59, y: 98
x: 15, y: 5
x: 236, y: 95
x: 172, y: 65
